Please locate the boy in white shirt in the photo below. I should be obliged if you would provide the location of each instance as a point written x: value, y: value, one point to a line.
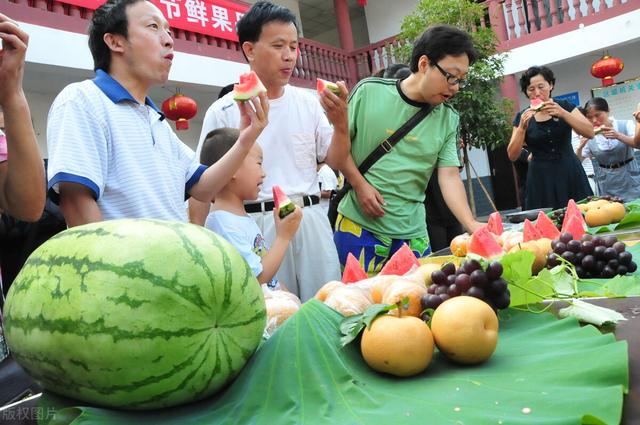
x: 229, y: 218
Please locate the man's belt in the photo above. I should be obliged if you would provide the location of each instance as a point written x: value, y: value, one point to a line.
x: 302, y: 201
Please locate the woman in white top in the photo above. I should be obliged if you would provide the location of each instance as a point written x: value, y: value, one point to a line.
x: 612, y: 147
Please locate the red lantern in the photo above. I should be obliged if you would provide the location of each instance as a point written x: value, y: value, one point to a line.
x: 180, y: 108
x: 362, y: 3
x: 607, y: 68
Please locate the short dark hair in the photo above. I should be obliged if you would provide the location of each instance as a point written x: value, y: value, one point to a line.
x: 249, y: 27
x: 526, y: 77
x: 597, y: 103
x: 217, y: 143
x: 442, y: 40
x: 226, y: 89
x: 392, y: 70
x: 111, y: 18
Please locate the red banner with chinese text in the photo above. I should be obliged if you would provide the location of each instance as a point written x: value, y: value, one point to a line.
x: 211, y: 17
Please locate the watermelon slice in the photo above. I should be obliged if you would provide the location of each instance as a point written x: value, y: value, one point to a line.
x: 572, y: 210
x: 282, y: 202
x: 529, y: 232
x: 324, y: 84
x: 598, y: 129
x: 576, y: 226
x: 495, y: 224
x: 483, y: 243
x: 248, y: 87
x: 536, y: 105
x: 545, y: 227
x: 353, y: 271
x: 401, y: 262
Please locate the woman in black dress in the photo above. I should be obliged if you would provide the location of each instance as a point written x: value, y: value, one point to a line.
x: 555, y: 174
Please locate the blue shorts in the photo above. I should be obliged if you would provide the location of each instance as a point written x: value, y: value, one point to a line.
x: 370, y: 249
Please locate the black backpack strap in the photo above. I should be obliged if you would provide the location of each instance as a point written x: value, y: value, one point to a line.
x: 388, y: 143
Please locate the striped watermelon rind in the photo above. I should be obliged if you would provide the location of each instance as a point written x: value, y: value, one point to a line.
x: 135, y: 314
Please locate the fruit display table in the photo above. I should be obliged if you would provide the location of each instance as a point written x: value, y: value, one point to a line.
x: 543, y: 368
x: 629, y: 331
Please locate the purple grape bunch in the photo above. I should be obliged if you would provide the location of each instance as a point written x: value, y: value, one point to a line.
x: 592, y: 256
x: 469, y: 279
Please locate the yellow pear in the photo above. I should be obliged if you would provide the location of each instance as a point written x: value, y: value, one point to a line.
x: 465, y: 329
x: 402, y: 288
x: 400, y: 346
x: 598, y: 217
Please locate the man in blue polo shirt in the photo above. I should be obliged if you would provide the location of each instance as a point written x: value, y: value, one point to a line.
x: 111, y: 152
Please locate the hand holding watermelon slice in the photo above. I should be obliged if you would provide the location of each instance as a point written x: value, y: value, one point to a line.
x: 321, y: 85
x: 333, y: 98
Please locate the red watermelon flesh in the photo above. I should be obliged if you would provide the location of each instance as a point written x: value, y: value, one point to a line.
x: 536, y: 104
x: 572, y: 210
x: 353, y: 271
x: 281, y: 201
x: 495, y: 224
x: 483, y: 243
x: 530, y: 233
x: 324, y: 84
x: 401, y: 262
x: 575, y: 225
x: 545, y: 227
x: 248, y: 87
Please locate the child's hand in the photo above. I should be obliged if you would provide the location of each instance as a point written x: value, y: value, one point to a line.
x: 336, y: 107
x: 286, y: 227
x: 254, y: 114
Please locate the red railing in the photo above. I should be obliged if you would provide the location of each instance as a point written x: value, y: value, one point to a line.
x: 516, y: 23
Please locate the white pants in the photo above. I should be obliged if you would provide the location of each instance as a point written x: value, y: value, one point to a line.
x: 594, y: 186
x: 311, y: 259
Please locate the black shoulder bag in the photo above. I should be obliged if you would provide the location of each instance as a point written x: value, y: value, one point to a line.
x: 374, y: 156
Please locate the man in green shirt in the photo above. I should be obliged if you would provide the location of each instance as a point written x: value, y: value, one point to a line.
x: 385, y: 207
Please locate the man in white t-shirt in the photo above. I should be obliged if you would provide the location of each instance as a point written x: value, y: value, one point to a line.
x: 298, y: 137
x: 328, y: 184
x: 111, y: 152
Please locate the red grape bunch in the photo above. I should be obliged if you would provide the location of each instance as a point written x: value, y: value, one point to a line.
x: 469, y: 279
x: 592, y: 256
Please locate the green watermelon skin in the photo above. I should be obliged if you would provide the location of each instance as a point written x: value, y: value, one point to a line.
x: 134, y: 314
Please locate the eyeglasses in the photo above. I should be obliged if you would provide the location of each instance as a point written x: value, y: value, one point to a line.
x: 451, y: 79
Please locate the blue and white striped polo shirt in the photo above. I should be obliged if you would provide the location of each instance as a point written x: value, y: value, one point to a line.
x: 99, y: 136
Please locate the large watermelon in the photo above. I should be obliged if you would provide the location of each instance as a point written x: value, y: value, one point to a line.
x: 134, y: 314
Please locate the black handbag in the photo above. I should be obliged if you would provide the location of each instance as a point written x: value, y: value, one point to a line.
x: 373, y: 157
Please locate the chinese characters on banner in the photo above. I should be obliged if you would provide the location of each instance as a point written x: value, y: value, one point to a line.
x: 621, y: 97
x: 211, y: 17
